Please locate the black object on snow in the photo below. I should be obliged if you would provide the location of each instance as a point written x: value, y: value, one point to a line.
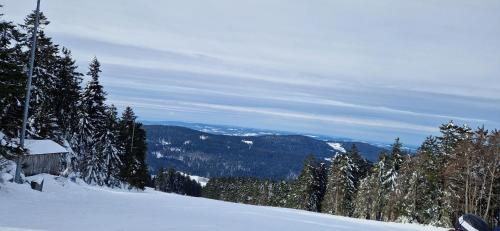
x: 471, y: 222
x: 35, y: 185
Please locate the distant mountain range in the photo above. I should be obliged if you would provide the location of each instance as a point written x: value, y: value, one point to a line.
x: 214, y: 151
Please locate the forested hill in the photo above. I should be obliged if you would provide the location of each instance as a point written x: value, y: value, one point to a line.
x: 266, y: 156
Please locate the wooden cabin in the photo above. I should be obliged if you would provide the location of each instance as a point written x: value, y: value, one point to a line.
x: 43, y: 156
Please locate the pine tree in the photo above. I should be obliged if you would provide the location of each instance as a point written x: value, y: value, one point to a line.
x: 363, y: 166
x: 341, y: 186
x: 390, y: 179
x: 451, y: 136
x: 110, y: 149
x: 42, y: 120
x: 67, y: 90
x: 426, y: 188
x: 309, y: 188
x: 12, y: 79
x: 401, y: 202
x: 92, y: 129
x: 366, y: 196
x: 377, y: 180
x: 132, y: 142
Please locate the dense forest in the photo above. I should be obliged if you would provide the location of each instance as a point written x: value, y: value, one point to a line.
x: 265, y: 156
x: 454, y: 173
x: 172, y: 181
x: 105, y: 149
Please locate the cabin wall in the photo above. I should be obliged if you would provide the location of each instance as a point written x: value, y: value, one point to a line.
x: 44, y: 163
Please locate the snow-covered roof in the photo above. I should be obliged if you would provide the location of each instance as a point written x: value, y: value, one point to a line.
x: 37, y: 147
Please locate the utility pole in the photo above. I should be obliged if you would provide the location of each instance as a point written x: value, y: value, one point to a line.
x: 17, y: 177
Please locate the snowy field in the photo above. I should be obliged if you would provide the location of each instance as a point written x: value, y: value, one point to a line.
x: 66, y: 205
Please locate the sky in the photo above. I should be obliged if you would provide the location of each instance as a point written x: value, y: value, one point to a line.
x: 368, y: 70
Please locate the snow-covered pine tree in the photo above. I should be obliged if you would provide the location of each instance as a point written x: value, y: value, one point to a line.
x: 401, y: 202
x: 111, y: 148
x: 363, y: 166
x: 451, y: 136
x: 92, y: 129
x: 161, y: 180
x: 470, y: 173
x: 380, y: 187
x: 426, y: 191
x: 132, y: 144
x: 341, y: 186
x: 12, y: 79
x: 308, y: 190
x: 68, y: 91
x: 42, y: 121
x: 392, y: 166
x: 366, y: 196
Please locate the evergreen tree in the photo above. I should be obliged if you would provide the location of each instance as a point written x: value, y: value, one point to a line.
x: 426, y: 188
x: 390, y: 180
x: 12, y: 79
x: 42, y: 120
x: 363, y: 166
x: 401, y: 201
x: 92, y: 129
x: 67, y: 92
x: 309, y: 188
x: 378, y: 182
x: 341, y: 186
x: 451, y: 136
x: 132, y: 142
x: 175, y: 182
x: 365, y: 198
x: 110, y: 149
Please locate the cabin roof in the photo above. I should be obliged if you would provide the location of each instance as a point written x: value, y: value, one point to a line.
x: 38, y: 147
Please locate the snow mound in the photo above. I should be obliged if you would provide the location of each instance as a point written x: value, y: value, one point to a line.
x: 68, y: 204
x: 337, y: 147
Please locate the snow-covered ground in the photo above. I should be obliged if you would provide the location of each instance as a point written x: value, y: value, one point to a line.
x: 337, y: 146
x: 201, y: 180
x: 67, y: 205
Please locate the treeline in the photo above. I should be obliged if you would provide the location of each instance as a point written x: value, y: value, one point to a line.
x: 106, y: 150
x: 454, y: 173
x: 172, y: 181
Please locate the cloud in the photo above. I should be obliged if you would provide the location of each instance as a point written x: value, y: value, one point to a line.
x: 397, y: 68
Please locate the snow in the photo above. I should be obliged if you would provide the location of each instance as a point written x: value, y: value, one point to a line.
x: 36, y: 147
x: 4, y: 141
x: 158, y: 155
x: 68, y: 205
x: 337, y: 147
x: 175, y: 149
x: 165, y: 142
x: 201, y: 180
x: 249, y: 142
x: 187, y: 142
x: 203, y: 137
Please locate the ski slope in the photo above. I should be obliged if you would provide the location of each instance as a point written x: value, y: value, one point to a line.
x: 68, y: 205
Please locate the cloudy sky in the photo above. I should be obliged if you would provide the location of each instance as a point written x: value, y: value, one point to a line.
x: 369, y: 70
